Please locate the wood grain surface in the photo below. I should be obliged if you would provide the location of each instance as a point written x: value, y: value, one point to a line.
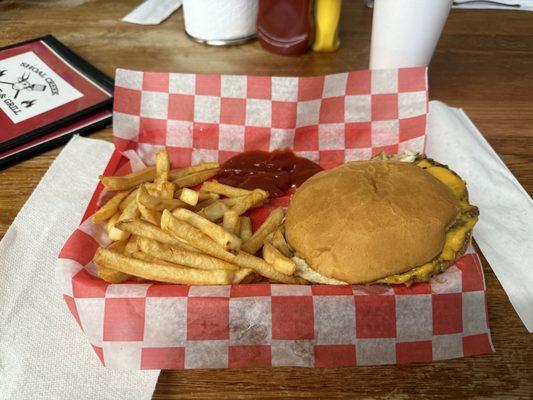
x: 484, y: 64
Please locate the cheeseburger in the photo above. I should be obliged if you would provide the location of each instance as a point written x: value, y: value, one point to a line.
x: 389, y: 220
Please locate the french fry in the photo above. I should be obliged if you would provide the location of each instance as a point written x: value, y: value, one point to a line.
x: 242, y: 275
x: 112, y: 221
x: 263, y: 268
x: 163, y: 190
x: 110, y: 208
x: 231, y: 222
x: 275, y: 258
x: 189, y: 196
x: 166, y: 190
x: 246, y: 228
x: 162, y: 166
x: 139, y: 255
x: 252, y: 278
x: 161, y: 272
x: 202, y: 196
x: 162, y: 170
x: 116, y: 234
x: 231, y: 201
x: 279, y: 242
x: 183, y: 257
x: 185, y: 246
x: 193, y: 236
x: 111, y: 275
x: 181, y: 172
x: 128, y: 181
x: 225, y: 239
x: 147, y: 230
x: 224, y: 190
x: 204, y: 204
x: 195, y: 178
x: 152, y: 188
x: 152, y: 216
x: 157, y: 203
x: 270, y: 225
x: 129, y: 198
x: 119, y: 246
x: 131, y: 246
x: 130, y: 212
x: 249, y: 201
x: 214, y: 211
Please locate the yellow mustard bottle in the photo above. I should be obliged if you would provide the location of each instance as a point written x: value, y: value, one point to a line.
x: 327, y: 16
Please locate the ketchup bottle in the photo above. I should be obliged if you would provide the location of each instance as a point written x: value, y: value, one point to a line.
x: 284, y: 26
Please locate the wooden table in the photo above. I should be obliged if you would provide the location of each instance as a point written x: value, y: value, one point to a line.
x: 484, y: 64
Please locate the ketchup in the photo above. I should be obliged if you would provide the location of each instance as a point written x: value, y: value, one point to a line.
x: 275, y: 172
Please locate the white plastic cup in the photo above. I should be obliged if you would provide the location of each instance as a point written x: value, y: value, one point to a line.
x: 220, y: 22
x: 406, y: 32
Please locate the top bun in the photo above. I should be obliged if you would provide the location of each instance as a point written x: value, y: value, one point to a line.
x: 366, y: 220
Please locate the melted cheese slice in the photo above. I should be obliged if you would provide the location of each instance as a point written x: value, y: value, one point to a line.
x: 456, y: 237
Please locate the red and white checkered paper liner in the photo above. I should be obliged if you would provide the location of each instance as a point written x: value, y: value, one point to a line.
x: 330, y: 119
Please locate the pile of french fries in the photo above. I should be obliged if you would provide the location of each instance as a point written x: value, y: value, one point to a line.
x: 164, y: 230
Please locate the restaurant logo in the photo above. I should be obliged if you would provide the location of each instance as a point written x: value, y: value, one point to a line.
x: 28, y: 87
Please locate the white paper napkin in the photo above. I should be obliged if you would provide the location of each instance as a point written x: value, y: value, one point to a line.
x: 43, y: 353
x: 152, y: 12
x: 525, y: 5
x: 504, y: 232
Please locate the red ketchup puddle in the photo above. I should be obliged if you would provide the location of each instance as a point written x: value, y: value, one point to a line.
x: 277, y: 172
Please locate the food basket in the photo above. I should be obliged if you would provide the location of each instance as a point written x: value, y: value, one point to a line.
x: 328, y: 119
